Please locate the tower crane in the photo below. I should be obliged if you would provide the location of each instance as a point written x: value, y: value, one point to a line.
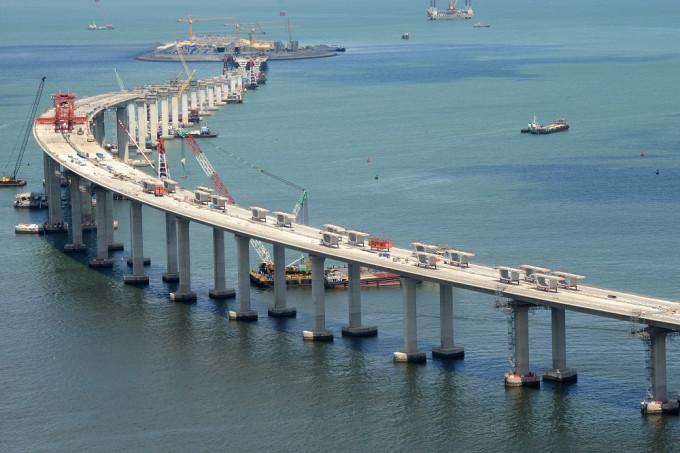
x: 191, y: 20
x: 190, y: 75
x: 9, y: 181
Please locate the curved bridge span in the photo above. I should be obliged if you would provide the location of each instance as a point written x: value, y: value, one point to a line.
x: 83, y: 158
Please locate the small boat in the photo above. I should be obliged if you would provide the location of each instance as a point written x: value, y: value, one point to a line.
x: 28, y: 228
x: 405, y: 36
x: 8, y: 181
x: 32, y: 200
x: 480, y: 25
x: 141, y: 163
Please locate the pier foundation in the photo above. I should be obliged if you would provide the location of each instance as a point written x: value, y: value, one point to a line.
x: 280, y: 309
x: 410, y: 352
x: 658, y: 402
x: 318, y: 332
x: 102, y: 259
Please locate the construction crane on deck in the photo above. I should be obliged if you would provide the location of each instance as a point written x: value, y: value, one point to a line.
x: 11, y: 181
x: 191, y: 21
x: 190, y: 76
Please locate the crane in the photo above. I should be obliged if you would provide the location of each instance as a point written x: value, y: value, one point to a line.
x: 191, y: 21
x: 190, y: 75
x: 108, y: 25
x: 9, y: 181
x: 119, y: 80
x: 220, y: 188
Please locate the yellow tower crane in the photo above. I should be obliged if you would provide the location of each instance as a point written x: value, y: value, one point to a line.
x: 191, y: 20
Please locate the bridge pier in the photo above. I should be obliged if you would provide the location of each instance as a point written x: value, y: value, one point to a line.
x: 99, y: 131
x: 102, y: 259
x: 184, y: 293
x: 172, y: 274
x: 165, y: 117
x: 658, y: 402
x: 318, y: 332
x: 244, y: 313
x: 112, y: 244
x: 559, y: 371
x: 279, y: 309
x: 521, y: 376
x: 220, y: 291
x: 132, y: 128
x: 152, y: 100
x: 122, y: 139
x: 355, y: 328
x: 141, y: 124
x: 447, y: 350
x: 137, y: 247
x: 410, y: 352
x: 76, y: 244
x: 185, y: 111
x: 53, y: 190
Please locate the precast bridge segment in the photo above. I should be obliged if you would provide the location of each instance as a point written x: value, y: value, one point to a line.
x: 82, y: 159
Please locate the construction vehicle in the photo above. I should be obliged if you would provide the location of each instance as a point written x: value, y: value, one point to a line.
x: 12, y: 181
x: 191, y: 20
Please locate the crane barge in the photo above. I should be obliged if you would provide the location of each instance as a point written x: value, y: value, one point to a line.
x: 12, y: 181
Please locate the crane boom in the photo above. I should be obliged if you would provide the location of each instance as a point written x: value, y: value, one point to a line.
x: 27, y: 130
x: 207, y: 167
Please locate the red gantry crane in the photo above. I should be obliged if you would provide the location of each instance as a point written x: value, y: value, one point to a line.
x: 108, y: 25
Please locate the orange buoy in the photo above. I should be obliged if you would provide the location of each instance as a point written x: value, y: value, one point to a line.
x: 368, y: 160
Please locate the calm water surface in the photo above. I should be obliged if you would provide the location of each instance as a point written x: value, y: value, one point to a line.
x: 90, y: 364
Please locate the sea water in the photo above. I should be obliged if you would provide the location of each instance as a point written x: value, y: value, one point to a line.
x: 411, y: 140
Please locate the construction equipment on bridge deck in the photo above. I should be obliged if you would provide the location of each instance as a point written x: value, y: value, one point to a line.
x: 12, y: 181
x: 64, y: 113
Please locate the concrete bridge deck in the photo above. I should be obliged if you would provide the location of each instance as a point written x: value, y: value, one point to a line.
x: 112, y: 174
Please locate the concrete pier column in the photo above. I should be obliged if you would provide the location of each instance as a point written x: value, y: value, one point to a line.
x: 122, y: 138
x: 559, y: 371
x: 99, y: 130
x: 131, y: 124
x: 185, y: 111
x: 410, y: 352
x: 165, y: 117
x: 102, y: 259
x: 153, y: 117
x: 318, y: 332
x: 218, y: 94
x: 279, y: 308
x: 210, y: 94
x: 53, y: 190
x: 174, y: 102
x: 110, y: 240
x: 220, y: 291
x: 355, y: 328
x: 86, y: 204
x: 447, y: 350
x: 521, y: 376
x: 76, y: 244
x: 137, y: 247
x: 184, y: 293
x: 202, y: 102
x: 657, y: 401
x: 172, y: 274
x: 141, y: 124
x: 244, y: 313
x: 193, y: 94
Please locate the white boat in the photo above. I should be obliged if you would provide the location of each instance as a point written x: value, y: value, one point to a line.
x: 451, y: 12
x: 28, y: 228
x: 141, y: 163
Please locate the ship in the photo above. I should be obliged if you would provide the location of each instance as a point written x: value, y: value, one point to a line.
x: 334, y: 277
x: 558, y: 125
x: 451, y: 12
x: 481, y: 25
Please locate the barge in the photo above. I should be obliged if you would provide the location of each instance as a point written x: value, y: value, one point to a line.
x: 558, y: 125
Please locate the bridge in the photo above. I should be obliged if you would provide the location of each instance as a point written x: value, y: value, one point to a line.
x: 90, y: 167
